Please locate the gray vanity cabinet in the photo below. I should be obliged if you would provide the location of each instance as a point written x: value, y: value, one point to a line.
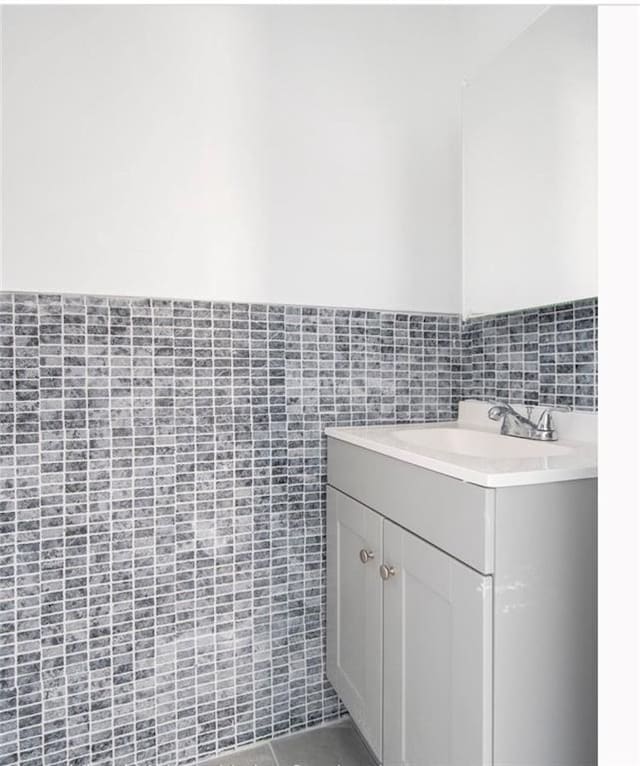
x: 437, y: 658
x: 461, y: 620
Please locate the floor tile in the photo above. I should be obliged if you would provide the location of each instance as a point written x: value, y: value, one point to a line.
x: 255, y: 756
x: 326, y: 746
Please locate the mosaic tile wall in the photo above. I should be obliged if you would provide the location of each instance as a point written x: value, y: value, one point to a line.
x: 539, y: 356
x: 162, y: 513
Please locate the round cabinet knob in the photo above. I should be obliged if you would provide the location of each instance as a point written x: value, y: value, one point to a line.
x: 365, y: 555
x: 386, y: 571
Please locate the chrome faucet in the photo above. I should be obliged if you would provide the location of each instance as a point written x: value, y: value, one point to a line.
x: 515, y: 424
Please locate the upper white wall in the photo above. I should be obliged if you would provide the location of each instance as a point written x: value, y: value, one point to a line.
x: 529, y: 179
x: 281, y: 154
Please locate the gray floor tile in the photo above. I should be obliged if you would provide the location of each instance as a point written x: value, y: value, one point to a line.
x: 255, y: 756
x: 327, y: 746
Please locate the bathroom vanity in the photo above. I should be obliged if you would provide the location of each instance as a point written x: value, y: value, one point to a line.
x: 462, y: 591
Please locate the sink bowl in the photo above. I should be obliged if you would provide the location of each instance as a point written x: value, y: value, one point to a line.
x: 473, y: 443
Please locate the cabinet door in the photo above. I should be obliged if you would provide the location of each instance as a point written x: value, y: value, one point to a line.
x: 437, y: 657
x: 354, y: 612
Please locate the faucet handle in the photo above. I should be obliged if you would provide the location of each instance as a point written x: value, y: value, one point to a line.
x: 545, y: 421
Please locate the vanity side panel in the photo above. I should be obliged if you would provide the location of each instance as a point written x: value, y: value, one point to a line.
x: 545, y: 625
x: 450, y: 514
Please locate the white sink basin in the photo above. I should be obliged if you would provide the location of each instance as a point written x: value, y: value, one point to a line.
x: 472, y: 449
x: 465, y: 441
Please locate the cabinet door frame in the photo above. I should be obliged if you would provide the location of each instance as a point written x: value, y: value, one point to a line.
x: 457, y: 654
x: 363, y: 697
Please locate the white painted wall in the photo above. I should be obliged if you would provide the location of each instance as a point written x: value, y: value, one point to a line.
x: 283, y: 154
x: 529, y: 179
x: 619, y: 437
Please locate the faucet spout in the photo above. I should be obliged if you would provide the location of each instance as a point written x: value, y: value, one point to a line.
x: 502, y: 409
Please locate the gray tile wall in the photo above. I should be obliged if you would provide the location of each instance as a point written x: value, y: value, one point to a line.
x: 162, y: 513
x: 539, y: 356
x: 162, y: 502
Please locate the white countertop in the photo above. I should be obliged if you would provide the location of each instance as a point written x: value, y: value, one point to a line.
x: 577, y: 458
